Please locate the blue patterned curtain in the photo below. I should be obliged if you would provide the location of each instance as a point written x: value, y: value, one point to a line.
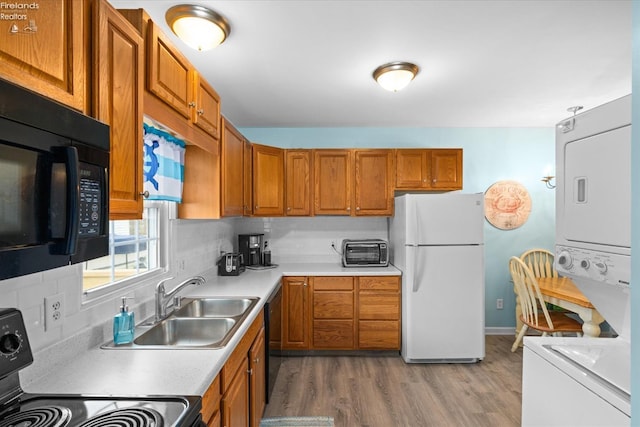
x: 163, y: 165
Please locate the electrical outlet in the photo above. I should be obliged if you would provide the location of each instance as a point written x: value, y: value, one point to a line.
x: 53, y: 311
x: 499, y: 303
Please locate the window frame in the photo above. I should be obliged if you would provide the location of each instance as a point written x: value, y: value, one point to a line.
x: 166, y: 212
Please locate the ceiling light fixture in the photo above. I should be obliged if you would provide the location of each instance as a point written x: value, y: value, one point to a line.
x: 395, y: 75
x: 199, y: 27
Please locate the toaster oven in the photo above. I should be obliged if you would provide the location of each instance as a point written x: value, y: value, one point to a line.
x: 365, y: 253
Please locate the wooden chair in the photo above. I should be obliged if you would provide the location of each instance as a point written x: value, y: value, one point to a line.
x: 534, y: 309
x: 540, y: 262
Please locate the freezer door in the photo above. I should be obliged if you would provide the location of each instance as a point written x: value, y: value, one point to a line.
x: 445, y: 219
x: 443, y: 303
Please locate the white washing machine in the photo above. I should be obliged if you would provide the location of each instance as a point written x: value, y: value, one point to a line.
x: 586, y: 381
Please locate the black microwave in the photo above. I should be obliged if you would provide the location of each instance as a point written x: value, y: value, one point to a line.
x: 54, y: 192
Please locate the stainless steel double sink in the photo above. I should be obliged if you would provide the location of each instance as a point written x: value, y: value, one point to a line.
x: 199, y: 323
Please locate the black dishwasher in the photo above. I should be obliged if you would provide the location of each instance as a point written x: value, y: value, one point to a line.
x: 273, y: 339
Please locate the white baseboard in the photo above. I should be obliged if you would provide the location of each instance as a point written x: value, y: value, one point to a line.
x: 502, y: 330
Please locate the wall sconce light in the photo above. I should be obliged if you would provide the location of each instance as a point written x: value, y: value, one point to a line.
x: 548, y: 177
x: 200, y: 28
x: 547, y: 181
x: 395, y: 75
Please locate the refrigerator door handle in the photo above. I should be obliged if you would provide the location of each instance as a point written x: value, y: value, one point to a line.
x: 412, y: 266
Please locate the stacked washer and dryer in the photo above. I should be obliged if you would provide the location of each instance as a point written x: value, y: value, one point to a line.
x: 587, y: 381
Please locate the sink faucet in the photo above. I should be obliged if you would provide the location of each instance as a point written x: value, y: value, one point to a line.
x: 163, y: 297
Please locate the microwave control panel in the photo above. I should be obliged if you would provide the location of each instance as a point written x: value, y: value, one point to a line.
x: 90, y: 205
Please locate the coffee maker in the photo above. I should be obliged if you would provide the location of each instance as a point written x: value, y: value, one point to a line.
x: 250, y: 246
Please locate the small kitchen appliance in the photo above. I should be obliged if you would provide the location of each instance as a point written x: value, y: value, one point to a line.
x: 365, y: 253
x: 437, y: 241
x: 54, y: 170
x: 230, y: 264
x: 589, y: 379
x: 18, y: 408
x: 250, y: 246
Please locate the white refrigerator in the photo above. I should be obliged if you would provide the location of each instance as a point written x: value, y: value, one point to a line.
x: 437, y: 242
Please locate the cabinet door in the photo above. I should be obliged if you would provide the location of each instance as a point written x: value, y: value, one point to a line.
x: 295, y: 313
x: 235, y: 402
x: 169, y: 72
x: 232, y: 170
x: 268, y: 181
x: 373, y: 182
x: 211, y: 404
x: 257, y: 386
x: 332, y: 177
x: 47, y: 53
x: 248, y: 178
x: 117, y: 97
x: 298, y: 182
x: 411, y: 169
x: 446, y: 169
x: 206, y: 114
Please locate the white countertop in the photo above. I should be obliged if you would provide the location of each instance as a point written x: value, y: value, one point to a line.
x: 180, y: 372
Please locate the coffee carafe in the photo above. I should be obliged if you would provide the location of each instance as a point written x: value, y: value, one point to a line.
x: 250, y: 246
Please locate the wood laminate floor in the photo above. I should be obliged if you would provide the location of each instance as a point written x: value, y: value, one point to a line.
x: 383, y: 391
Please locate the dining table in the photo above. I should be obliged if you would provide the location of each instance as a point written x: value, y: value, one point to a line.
x: 563, y: 292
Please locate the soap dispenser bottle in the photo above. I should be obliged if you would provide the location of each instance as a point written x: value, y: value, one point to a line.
x: 123, y: 324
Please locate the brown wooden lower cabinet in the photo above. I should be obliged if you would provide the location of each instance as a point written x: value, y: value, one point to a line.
x: 346, y: 313
x: 237, y: 395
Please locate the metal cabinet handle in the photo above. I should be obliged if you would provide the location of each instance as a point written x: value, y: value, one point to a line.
x: 200, y: 112
x: 358, y: 208
x: 257, y: 207
x: 145, y: 194
x: 348, y: 209
x: 192, y: 104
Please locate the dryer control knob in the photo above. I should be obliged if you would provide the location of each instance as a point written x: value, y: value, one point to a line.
x: 565, y: 260
x: 585, y: 264
x: 601, y: 267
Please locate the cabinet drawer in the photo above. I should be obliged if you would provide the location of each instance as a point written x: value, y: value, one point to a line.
x: 333, y: 305
x: 379, y: 334
x: 333, y: 283
x: 335, y: 334
x: 379, y: 306
x: 372, y: 283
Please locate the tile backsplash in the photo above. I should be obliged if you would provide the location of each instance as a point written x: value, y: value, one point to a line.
x: 195, y: 247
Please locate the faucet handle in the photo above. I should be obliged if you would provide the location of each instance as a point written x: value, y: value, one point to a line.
x: 160, y: 284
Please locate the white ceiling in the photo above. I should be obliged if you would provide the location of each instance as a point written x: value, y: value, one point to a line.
x: 501, y: 63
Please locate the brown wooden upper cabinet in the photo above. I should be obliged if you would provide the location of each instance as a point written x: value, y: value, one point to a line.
x: 52, y: 58
x: 173, y: 79
x: 298, y: 182
x: 118, y: 73
x: 176, y: 95
x: 232, y: 170
x: 248, y: 178
x: 332, y: 181
x: 368, y: 172
x: 373, y: 182
x: 268, y: 180
x: 429, y: 169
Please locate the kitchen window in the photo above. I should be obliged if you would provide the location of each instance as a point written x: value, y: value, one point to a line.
x: 136, y: 250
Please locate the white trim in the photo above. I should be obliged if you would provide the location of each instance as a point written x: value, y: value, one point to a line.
x: 500, y: 330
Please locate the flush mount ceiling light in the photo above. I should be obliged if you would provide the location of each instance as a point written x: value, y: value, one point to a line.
x: 395, y: 75
x: 199, y: 27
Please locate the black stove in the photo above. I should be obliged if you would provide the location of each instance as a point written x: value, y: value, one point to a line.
x: 20, y: 409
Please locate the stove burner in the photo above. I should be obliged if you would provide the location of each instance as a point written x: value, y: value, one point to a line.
x: 44, y: 416
x: 130, y: 417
